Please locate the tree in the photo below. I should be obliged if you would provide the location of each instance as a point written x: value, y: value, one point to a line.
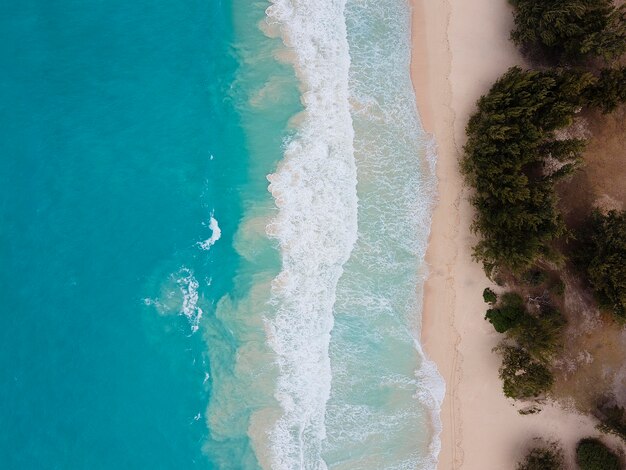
x: 603, y: 257
x: 612, y: 420
x: 522, y: 376
x: 540, y: 335
x: 542, y: 458
x: 508, y: 314
x: 591, y: 454
x: 570, y: 30
x: 510, y: 138
x: 489, y: 296
x: 609, y: 91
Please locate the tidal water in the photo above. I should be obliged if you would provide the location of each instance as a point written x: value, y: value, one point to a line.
x: 213, y: 217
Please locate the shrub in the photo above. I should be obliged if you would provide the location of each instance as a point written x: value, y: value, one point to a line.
x: 591, y: 454
x: 612, y: 421
x: 570, y: 29
x: 540, y: 335
x: 558, y: 288
x: 534, y: 277
x: 603, y: 257
x: 542, y: 458
x: 489, y: 296
x: 522, y: 376
x: 508, y: 314
x: 510, y: 138
x: 609, y: 91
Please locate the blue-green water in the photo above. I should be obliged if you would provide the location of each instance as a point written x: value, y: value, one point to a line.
x: 160, y: 307
x: 110, y: 113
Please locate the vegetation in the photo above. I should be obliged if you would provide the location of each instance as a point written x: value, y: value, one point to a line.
x: 558, y: 288
x: 522, y: 376
x: 534, y: 277
x: 508, y: 314
x: 591, y: 454
x: 540, y: 335
x: 542, y: 458
x: 510, y: 139
x: 489, y: 296
x: 603, y: 258
x: 609, y: 91
x: 613, y: 421
x: 570, y: 30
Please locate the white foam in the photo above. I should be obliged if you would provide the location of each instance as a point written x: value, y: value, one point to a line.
x: 188, y: 286
x: 216, y: 234
x: 377, y: 292
x: 315, y: 191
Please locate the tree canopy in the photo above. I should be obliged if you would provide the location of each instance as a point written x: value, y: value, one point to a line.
x: 609, y: 91
x: 511, y: 140
x: 508, y: 314
x: 570, y: 30
x: 591, y: 454
x: 542, y: 458
x: 603, y: 257
x: 522, y: 376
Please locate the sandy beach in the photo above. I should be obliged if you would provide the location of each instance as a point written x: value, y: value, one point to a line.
x: 460, y: 47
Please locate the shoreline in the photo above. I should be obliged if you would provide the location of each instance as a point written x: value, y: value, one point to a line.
x: 458, y: 50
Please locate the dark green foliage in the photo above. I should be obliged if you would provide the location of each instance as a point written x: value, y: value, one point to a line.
x: 570, y: 29
x: 558, y: 288
x: 591, y: 454
x: 522, y: 376
x: 510, y: 138
x: 540, y: 335
x: 603, y: 256
x: 489, y: 296
x: 508, y: 314
x: 534, y: 277
x: 612, y: 421
x: 542, y: 458
x: 609, y: 91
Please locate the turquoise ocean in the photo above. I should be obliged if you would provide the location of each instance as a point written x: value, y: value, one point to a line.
x: 213, y: 220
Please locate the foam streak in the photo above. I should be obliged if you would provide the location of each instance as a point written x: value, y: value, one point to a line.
x: 315, y: 191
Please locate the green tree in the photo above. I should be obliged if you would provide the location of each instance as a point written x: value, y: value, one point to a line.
x: 591, y: 454
x: 489, y: 296
x: 612, y: 420
x: 542, y: 458
x: 510, y: 138
x: 568, y: 30
x: 540, y: 335
x: 609, y: 91
x: 508, y: 314
x: 603, y: 256
x: 522, y: 376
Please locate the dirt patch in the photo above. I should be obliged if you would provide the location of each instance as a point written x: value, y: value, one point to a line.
x: 601, y: 182
x: 592, y: 362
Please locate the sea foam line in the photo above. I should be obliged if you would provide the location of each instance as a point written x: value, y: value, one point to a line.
x: 315, y: 192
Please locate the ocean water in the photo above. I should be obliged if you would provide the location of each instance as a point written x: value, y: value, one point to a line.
x: 213, y: 217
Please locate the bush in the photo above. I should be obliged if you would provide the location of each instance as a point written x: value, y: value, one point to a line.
x: 534, y: 277
x: 489, y: 296
x: 568, y: 30
x: 522, y: 376
x: 603, y: 257
x: 558, y: 288
x: 541, y: 458
x: 510, y: 138
x: 508, y: 314
x: 591, y: 454
x: 540, y: 335
x: 609, y: 91
x: 612, y: 421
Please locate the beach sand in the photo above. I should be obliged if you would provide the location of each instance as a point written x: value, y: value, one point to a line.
x: 460, y: 47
